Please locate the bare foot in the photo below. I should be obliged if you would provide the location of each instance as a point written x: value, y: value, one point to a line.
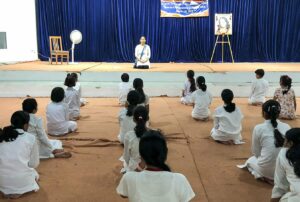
x: 63, y: 155
x: 12, y: 196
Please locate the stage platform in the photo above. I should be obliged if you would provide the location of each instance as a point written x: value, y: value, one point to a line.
x: 155, y: 67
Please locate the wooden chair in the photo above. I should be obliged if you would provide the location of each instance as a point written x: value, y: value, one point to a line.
x: 56, y: 50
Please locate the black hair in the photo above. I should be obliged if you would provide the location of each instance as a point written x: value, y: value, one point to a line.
x: 141, y: 116
x: 293, y: 153
x: 125, y: 77
x: 70, y: 81
x: 75, y: 75
x: 57, y: 94
x: 133, y: 99
x: 201, y: 83
x: 153, y: 150
x: 260, y: 72
x: 286, y: 81
x: 138, y: 85
x: 227, y: 96
x: 29, y: 105
x: 272, y: 109
x: 18, y: 120
x: 190, y: 75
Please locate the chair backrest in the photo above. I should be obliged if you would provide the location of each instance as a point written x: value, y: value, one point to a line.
x: 55, y: 43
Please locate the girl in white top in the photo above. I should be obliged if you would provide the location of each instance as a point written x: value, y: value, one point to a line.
x: 267, y: 139
x: 138, y: 85
x: 126, y: 115
x: 131, y: 143
x: 143, y: 186
x: 78, y: 88
x: 142, y: 54
x: 57, y: 113
x: 19, y: 158
x: 124, y: 88
x: 259, y: 89
x: 227, y: 121
x: 189, y: 88
x: 47, y: 148
x: 72, y: 98
x: 287, y: 172
x: 201, y: 100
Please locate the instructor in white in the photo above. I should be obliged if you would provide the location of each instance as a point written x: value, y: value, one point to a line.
x: 142, y: 54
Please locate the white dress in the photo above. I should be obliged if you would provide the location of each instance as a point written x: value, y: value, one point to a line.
x: 18, y: 161
x: 187, y: 94
x: 58, y: 119
x: 146, y: 54
x: 124, y: 88
x: 262, y: 164
x: 72, y: 99
x: 46, y: 146
x: 78, y: 88
x: 131, y: 154
x: 202, y: 101
x: 259, y: 90
x: 227, y: 126
x: 155, y: 186
x: 126, y: 124
x: 287, y: 183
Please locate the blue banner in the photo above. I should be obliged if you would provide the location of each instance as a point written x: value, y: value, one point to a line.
x: 184, y: 8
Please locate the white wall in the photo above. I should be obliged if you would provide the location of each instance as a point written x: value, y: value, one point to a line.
x: 18, y: 20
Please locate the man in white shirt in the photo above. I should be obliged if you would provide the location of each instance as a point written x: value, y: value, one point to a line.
x: 259, y: 88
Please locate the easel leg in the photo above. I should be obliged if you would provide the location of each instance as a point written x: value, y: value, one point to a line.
x: 222, y: 48
x: 230, y: 48
x: 213, y: 53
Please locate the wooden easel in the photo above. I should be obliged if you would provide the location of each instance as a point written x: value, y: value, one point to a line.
x: 222, y: 42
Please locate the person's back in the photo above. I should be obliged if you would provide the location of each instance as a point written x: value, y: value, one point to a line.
x: 202, y: 100
x: 259, y: 90
x: 57, y: 118
x: 72, y: 99
x: 144, y: 187
x: 124, y: 88
x: 229, y: 122
x: 126, y: 124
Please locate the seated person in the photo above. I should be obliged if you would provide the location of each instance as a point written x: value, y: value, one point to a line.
x: 142, y: 55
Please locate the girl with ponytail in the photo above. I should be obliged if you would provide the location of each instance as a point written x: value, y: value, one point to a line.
x: 19, y: 156
x: 126, y: 114
x: 72, y: 98
x: 132, y: 138
x: 227, y: 121
x: 138, y: 85
x: 189, y: 88
x: 267, y: 139
x: 286, y: 97
x: 201, y: 100
x: 287, y: 172
x: 142, y: 186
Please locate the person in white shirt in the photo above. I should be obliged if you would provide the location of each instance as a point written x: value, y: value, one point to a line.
x: 267, y: 139
x: 132, y: 138
x: 72, y: 98
x: 201, y: 100
x: 47, y: 148
x: 188, y: 88
x: 57, y: 113
x: 138, y: 85
x: 124, y: 88
x: 19, y: 158
x: 259, y: 89
x: 157, y: 182
x: 287, y: 171
x: 142, y: 55
x: 77, y: 87
x: 126, y: 115
x: 227, y: 121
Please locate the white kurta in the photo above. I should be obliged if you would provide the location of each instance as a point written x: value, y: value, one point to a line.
x: 287, y: 183
x: 262, y: 164
x: 72, y: 99
x: 227, y: 126
x: 149, y: 186
x: 131, y: 154
x: 58, y: 119
x: 146, y: 54
x: 18, y: 161
x: 126, y: 124
x: 187, y: 94
x: 46, y: 146
x: 78, y: 88
x: 146, y: 102
x: 124, y: 88
x: 259, y: 90
x: 202, y: 101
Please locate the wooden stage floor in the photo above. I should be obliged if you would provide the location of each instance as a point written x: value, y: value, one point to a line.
x: 155, y: 67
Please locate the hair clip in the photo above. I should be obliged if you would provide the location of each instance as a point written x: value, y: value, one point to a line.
x: 140, y: 117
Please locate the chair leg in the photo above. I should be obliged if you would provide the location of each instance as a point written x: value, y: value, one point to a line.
x: 50, y: 59
x: 56, y: 59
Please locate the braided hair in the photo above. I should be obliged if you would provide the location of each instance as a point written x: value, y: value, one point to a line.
x: 286, y: 81
x: 190, y: 75
x: 293, y: 153
x: 201, y: 83
x: 141, y: 116
x: 227, y: 97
